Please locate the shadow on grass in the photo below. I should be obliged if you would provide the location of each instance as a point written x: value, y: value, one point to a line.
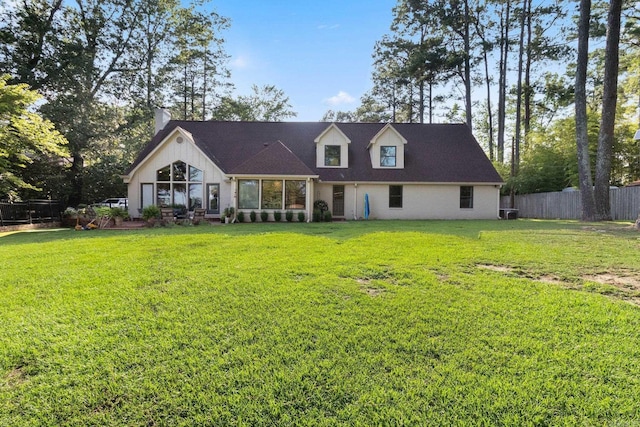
x: 336, y: 230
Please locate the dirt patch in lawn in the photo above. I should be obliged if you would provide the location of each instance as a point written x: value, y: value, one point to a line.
x: 15, y: 377
x: 626, y: 282
x: 369, y: 289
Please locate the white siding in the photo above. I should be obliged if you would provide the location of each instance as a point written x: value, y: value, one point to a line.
x: 169, y: 152
x: 332, y: 136
x: 419, y: 201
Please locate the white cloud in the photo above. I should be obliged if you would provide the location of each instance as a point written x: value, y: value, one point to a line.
x: 340, y: 99
x: 240, y: 62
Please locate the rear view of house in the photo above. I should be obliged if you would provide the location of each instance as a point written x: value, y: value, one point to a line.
x: 406, y: 171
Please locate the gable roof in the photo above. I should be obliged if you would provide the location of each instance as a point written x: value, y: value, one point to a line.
x: 274, y: 159
x: 437, y: 153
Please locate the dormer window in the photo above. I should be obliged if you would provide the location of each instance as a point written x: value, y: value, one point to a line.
x: 386, y: 149
x: 388, y: 156
x: 332, y: 155
x: 332, y: 148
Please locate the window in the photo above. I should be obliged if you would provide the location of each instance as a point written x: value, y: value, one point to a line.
x: 271, y: 194
x: 388, y: 156
x: 295, y: 194
x: 195, y: 174
x: 213, y: 191
x: 164, y: 174
x: 179, y: 184
x: 146, y: 192
x: 466, y: 197
x: 195, y: 196
x: 164, y: 195
x: 248, y: 194
x: 179, y: 171
x: 332, y: 155
x: 395, y: 196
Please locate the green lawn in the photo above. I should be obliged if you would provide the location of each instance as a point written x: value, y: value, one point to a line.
x: 359, y: 323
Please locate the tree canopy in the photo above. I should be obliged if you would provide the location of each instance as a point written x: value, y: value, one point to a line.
x: 25, y: 139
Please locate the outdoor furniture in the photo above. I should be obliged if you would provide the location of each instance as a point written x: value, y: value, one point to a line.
x: 166, y: 214
x: 198, y: 215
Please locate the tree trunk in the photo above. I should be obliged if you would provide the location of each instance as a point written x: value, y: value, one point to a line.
x: 526, y: 121
x: 516, y: 144
x: 502, y: 82
x: 608, y: 118
x: 467, y: 65
x: 582, y: 136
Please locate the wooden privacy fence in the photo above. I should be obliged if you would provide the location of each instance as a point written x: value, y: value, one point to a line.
x: 29, y: 212
x: 625, y: 204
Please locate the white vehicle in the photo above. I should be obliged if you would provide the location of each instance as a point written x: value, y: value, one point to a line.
x: 120, y: 202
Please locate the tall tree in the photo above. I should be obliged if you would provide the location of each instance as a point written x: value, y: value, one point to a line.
x: 88, y: 55
x: 609, y: 105
x: 582, y: 138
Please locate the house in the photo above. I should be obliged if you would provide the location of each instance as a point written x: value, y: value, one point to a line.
x: 407, y: 171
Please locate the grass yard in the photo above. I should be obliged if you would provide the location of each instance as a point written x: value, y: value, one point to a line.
x: 360, y: 323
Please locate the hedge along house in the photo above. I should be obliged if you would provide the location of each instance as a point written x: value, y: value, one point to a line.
x: 407, y: 171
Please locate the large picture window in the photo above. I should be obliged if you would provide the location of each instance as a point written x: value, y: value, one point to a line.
x: 295, y: 194
x: 179, y: 184
x: 332, y: 155
x: 466, y: 197
x: 271, y: 194
x: 395, y: 196
x: 388, y: 156
x: 248, y: 194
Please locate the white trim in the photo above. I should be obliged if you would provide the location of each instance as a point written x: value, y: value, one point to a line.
x: 331, y: 126
x: 374, y: 140
x: 187, y: 135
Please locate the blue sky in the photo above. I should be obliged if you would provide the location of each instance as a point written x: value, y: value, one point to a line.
x: 317, y: 52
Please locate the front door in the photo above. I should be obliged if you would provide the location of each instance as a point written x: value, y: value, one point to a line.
x: 338, y: 200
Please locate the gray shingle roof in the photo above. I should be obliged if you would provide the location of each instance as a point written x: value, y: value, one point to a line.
x: 433, y: 153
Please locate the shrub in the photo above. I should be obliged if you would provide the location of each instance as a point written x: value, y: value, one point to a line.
x: 289, y: 216
x: 300, y: 216
x: 327, y: 216
x: 264, y: 216
x: 240, y: 216
x: 252, y: 216
x: 317, y: 215
x: 321, y: 205
x: 151, y: 211
x: 118, y: 212
x: 277, y: 216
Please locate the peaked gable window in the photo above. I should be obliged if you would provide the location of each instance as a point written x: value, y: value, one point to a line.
x: 388, y: 156
x: 174, y: 187
x: 332, y: 155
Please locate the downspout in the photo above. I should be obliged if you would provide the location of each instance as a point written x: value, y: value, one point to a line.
x: 234, y: 199
x: 310, y: 191
x: 355, y: 201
